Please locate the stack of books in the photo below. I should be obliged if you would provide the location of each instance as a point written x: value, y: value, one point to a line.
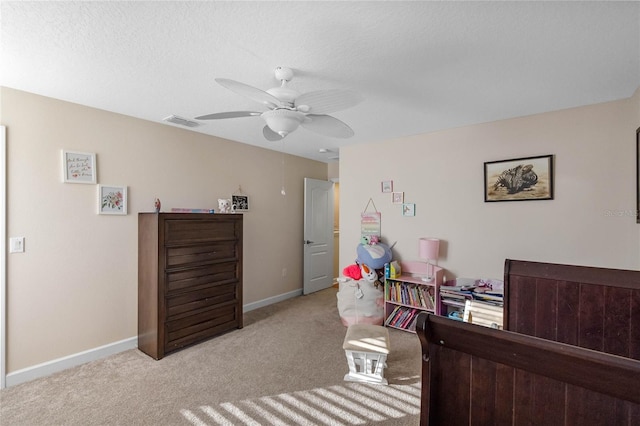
x: 455, y: 294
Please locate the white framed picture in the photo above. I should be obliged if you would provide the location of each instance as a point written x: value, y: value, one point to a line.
x: 386, y: 185
x: 112, y: 199
x: 408, y: 209
x: 397, y: 197
x: 78, y: 167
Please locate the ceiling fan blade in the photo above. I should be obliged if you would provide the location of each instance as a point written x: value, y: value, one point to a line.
x: 328, y: 101
x: 270, y: 135
x: 250, y: 92
x: 327, y: 125
x: 230, y: 114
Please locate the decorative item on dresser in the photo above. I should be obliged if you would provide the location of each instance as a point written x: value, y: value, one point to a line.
x: 408, y: 295
x: 189, y: 279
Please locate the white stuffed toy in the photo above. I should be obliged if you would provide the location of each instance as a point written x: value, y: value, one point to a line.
x: 224, y: 205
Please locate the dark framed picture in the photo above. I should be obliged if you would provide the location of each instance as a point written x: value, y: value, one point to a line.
x: 638, y: 175
x: 241, y: 202
x: 519, y: 179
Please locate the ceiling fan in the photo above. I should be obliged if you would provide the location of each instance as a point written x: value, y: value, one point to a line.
x: 288, y: 109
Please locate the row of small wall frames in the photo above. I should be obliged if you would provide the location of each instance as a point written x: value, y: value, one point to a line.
x: 408, y: 209
x: 80, y: 167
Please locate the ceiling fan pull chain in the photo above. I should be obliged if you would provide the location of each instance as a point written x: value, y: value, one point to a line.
x: 282, y: 191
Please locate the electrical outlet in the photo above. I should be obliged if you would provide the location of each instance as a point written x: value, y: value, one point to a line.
x: 16, y: 245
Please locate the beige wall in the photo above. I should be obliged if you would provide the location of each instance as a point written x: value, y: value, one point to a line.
x: 591, y: 221
x: 75, y: 287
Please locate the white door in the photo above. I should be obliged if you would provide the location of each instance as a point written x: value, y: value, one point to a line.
x: 318, y: 235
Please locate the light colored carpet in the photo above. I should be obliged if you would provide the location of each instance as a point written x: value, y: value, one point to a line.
x: 285, y: 367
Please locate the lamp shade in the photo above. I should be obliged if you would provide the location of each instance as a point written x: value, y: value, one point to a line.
x: 428, y: 248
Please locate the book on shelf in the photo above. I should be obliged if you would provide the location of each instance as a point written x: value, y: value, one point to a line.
x: 397, y: 317
x: 410, y: 316
x: 392, y: 316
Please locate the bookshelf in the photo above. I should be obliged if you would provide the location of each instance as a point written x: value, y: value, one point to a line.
x: 407, y: 295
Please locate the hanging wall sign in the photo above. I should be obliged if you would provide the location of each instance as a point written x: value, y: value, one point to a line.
x: 370, y: 221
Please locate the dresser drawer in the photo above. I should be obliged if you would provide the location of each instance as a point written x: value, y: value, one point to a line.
x: 187, y: 303
x: 187, y: 231
x: 193, y: 278
x: 197, y: 327
x: 198, y: 254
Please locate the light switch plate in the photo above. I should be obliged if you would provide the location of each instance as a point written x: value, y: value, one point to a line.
x: 16, y: 245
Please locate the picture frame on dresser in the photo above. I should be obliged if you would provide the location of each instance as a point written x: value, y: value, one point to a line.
x: 241, y: 202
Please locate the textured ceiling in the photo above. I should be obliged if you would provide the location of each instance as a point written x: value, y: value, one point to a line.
x: 421, y: 66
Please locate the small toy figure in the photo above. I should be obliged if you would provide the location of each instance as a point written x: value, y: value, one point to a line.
x: 157, y: 204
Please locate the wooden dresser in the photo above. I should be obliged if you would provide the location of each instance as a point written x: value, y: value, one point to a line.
x: 189, y: 279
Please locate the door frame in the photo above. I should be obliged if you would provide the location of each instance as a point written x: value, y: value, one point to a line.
x: 3, y: 257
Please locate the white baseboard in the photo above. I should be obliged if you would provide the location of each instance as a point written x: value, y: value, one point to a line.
x: 56, y: 365
x: 271, y: 300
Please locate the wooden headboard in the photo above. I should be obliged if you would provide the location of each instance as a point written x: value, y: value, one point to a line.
x: 595, y: 308
x: 474, y: 375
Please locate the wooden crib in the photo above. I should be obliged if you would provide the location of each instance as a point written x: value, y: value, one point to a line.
x: 573, y: 358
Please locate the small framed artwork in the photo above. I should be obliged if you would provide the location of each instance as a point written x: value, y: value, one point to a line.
x: 397, y: 197
x: 78, y: 167
x: 241, y: 202
x: 112, y: 199
x: 408, y: 209
x: 387, y: 186
x: 519, y: 179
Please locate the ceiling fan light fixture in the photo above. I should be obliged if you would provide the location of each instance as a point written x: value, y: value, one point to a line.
x: 283, y: 121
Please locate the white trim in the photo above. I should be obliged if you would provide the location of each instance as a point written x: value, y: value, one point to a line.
x: 271, y: 300
x: 56, y: 365
x: 3, y: 256
x: 50, y: 367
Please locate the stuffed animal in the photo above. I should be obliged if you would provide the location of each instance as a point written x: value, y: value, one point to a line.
x: 368, y: 274
x: 224, y: 205
x: 374, y: 256
x: 352, y: 271
x: 370, y: 240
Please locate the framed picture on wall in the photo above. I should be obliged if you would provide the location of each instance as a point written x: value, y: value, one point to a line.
x: 78, y: 167
x: 387, y: 186
x: 519, y: 179
x: 408, y: 209
x: 112, y: 199
x: 397, y: 197
x: 241, y: 202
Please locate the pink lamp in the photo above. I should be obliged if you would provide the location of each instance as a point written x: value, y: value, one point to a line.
x: 428, y: 250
